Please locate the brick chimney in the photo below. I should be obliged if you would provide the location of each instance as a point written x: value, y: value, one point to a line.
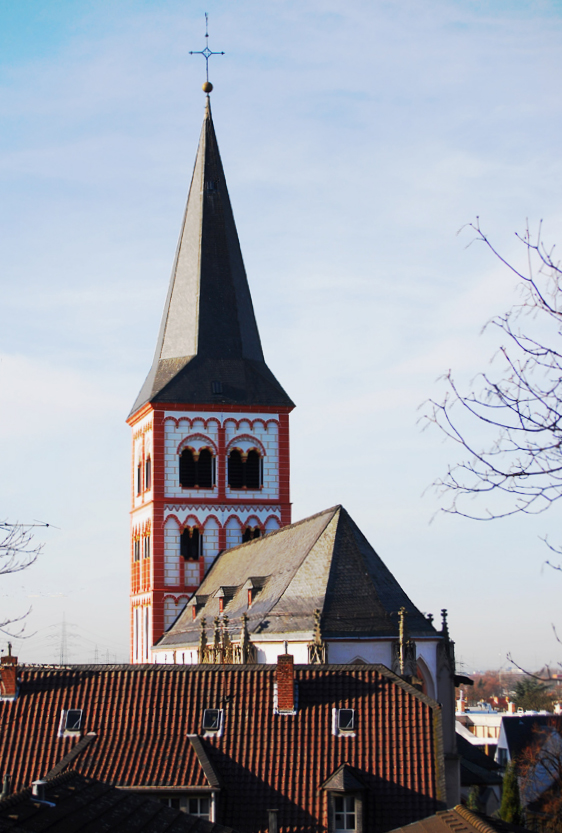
x: 285, y: 678
x: 8, y: 676
x: 511, y: 708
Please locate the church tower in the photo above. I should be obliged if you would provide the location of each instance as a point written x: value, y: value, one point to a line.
x: 210, y: 456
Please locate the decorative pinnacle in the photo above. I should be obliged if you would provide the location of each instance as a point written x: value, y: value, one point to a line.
x: 207, y: 86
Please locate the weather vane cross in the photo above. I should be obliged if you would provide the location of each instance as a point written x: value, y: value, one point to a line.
x: 207, y: 86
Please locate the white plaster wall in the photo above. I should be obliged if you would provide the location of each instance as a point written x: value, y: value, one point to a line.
x: 172, y: 609
x: 171, y: 553
x: 268, y: 652
x: 233, y: 533
x: 374, y: 651
x: 192, y: 573
x: 140, y: 517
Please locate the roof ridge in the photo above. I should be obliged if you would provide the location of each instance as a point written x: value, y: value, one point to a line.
x: 473, y: 819
x: 335, y: 510
x: 256, y: 541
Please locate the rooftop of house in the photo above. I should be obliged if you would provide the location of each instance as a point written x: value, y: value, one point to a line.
x: 460, y: 820
x: 322, y: 563
x: 142, y: 727
x: 477, y: 768
x: 72, y: 802
x: 517, y: 730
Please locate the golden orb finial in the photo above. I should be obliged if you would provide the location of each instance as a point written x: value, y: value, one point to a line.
x: 207, y: 87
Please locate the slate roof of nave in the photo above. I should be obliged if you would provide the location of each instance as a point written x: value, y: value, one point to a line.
x: 209, y: 332
x: 323, y: 562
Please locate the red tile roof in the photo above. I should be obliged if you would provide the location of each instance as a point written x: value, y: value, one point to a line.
x: 143, y: 717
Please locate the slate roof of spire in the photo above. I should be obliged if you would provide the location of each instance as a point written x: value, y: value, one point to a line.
x: 323, y: 562
x: 208, y: 332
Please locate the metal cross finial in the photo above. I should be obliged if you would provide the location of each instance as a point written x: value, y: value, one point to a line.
x: 207, y: 52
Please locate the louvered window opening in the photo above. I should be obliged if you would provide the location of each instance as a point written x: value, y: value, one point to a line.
x: 191, y: 542
x: 136, y: 550
x: 197, y: 473
x: 146, y: 547
x: 245, y: 474
x: 139, y: 478
x: 148, y: 473
x: 250, y: 534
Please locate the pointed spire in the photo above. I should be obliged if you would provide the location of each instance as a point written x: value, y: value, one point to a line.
x: 209, y: 347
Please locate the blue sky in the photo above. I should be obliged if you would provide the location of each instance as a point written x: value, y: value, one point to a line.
x: 357, y: 140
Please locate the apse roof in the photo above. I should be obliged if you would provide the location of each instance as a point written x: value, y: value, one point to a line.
x: 323, y: 563
x: 208, y: 348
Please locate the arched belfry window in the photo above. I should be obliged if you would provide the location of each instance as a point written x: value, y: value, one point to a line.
x: 250, y: 533
x: 197, y: 470
x: 191, y: 542
x: 245, y: 473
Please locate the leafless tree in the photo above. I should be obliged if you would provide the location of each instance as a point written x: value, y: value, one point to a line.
x: 18, y: 551
x: 518, y: 467
x: 539, y: 768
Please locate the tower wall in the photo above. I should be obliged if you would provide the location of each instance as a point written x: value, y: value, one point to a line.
x: 162, y: 578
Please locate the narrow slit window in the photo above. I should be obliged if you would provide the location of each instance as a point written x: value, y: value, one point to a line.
x: 146, y: 551
x: 148, y: 473
x: 139, y: 478
x: 136, y: 550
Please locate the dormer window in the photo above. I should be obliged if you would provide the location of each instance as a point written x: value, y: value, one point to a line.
x: 198, y: 604
x: 212, y: 721
x: 245, y: 471
x: 225, y: 595
x: 197, y: 469
x: 344, y: 813
x: 253, y: 586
